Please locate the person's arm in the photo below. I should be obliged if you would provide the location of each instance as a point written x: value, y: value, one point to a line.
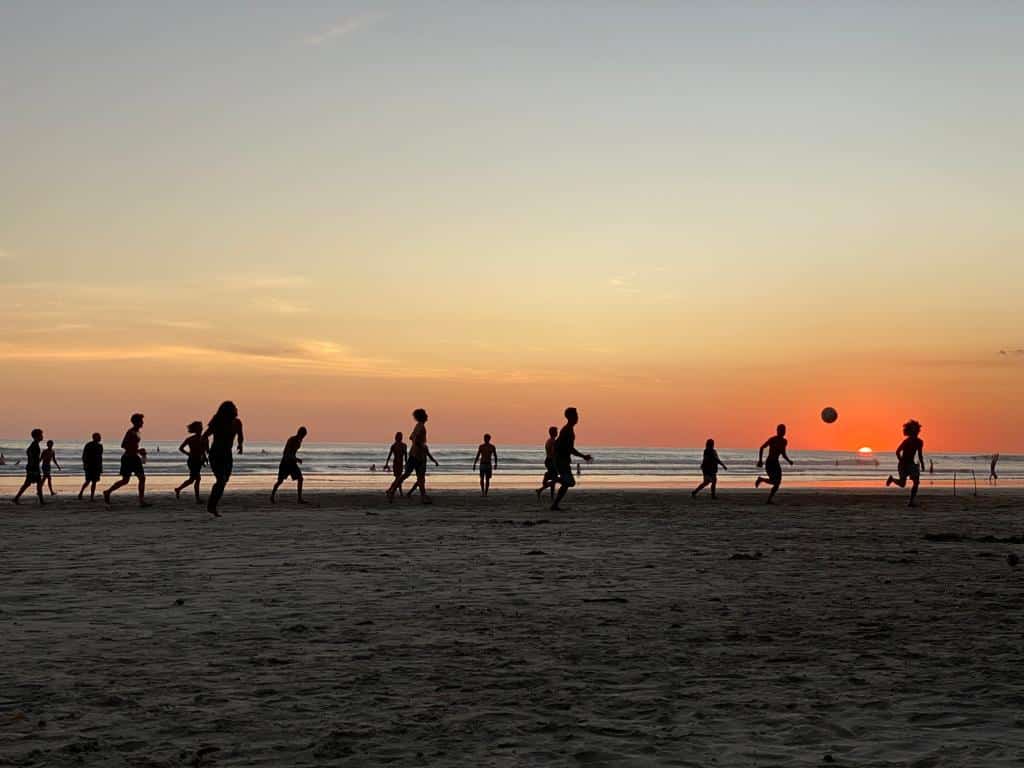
x: 475, y: 459
x: 721, y: 463
x: 431, y: 456
x: 920, y: 453
x: 391, y: 452
x: 241, y: 436
x: 786, y: 457
x: 494, y: 455
x: 181, y: 448
x: 58, y: 466
x: 585, y: 456
x: 899, y: 454
x: 760, y: 454
x: 85, y: 454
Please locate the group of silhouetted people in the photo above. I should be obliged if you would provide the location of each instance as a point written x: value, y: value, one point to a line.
x: 215, y: 446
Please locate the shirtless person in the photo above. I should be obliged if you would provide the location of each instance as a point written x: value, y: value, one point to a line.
x: 773, y: 467
x: 49, y: 456
x: 565, y: 449
x: 195, y: 447
x: 32, y: 473
x: 290, y: 465
x: 417, y: 459
x: 550, y: 472
x: 131, y: 461
x: 910, y: 451
x: 487, y: 455
x: 92, y: 465
x: 396, y: 458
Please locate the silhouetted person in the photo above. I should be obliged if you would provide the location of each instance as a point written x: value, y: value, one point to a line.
x: 224, y: 427
x: 416, y: 461
x: 131, y: 461
x: 290, y: 462
x: 49, y: 456
x: 33, y: 475
x: 92, y: 465
x: 396, y: 458
x: 565, y: 449
x: 195, y: 447
x: 487, y: 456
x: 773, y: 467
x: 992, y: 476
x: 550, y: 470
x: 931, y: 466
x: 709, y: 467
x: 907, y: 456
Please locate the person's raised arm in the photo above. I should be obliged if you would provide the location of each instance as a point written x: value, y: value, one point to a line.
x: 241, y: 435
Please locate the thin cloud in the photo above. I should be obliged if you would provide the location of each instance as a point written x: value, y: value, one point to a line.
x: 1011, y: 352
x: 343, y: 28
x: 282, y: 307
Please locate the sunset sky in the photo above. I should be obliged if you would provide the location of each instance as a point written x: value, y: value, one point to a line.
x: 686, y: 219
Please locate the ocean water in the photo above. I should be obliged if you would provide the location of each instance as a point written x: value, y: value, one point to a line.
x: 348, y: 464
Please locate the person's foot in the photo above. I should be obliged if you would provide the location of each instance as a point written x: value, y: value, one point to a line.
x: 177, y: 494
x: 273, y: 497
x: 16, y: 500
x: 213, y: 512
x: 769, y: 502
x: 303, y: 501
x: 713, y: 497
x: 912, y: 504
x: 79, y: 497
x: 198, y: 500
x: 106, y: 497
x: 144, y: 505
x: 556, y: 508
x: 390, y: 494
x: 757, y: 483
x: 693, y: 494
x: 889, y: 481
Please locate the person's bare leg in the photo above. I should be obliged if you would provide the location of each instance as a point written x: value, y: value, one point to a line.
x: 49, y: 485
x: 197, y: 492
x: 119, y: 484
x: 92, y: 491
x: 273, y: 491
x: 142, y: 493
x: 698, y: 489
x: 562, y: 490
x: 301, y: 500
x: 771, y: 494
x: 913, y: 493
x: 24, y: 487
x: 82, y: 491
x: 714, y: 489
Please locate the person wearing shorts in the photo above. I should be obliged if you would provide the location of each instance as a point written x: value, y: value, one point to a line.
x: 131, y: 461
x: 776, y: 446
x: 92, y: 465
x: 33, y: 476
x: 195, y: 448
x: 709, y: 468
x: 910, y: 459
x: 396, y: 458
x: 224, y: 426
x: 289, y: 466
x: 565, y: 449
x: 487, y: 456
x: 550, y: 470
x: 416, y: 462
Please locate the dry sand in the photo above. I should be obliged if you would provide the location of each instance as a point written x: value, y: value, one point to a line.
x: 637, y: 628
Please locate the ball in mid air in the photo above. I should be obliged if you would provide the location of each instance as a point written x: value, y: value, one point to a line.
x: 829, y: 415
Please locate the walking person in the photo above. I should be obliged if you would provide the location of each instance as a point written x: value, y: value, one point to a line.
x: 224, y: 427
x: 419, y: 453
x: 49, y: 456
x: 709, y: 467
x: 487, y: 456
x: 565, y: 449
x: 195, y: 447
x: 33, y: 476
x: 92, y: 465
x: 776, y: 446
x: 396, y: 458
x: 289, y: 466
x: 132, y: 461
x: 550, y: 478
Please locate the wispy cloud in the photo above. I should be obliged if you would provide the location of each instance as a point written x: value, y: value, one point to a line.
x: 343, y: 28
x: 1011, y: 352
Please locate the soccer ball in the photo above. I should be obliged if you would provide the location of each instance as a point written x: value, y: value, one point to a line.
x: 829, y: 415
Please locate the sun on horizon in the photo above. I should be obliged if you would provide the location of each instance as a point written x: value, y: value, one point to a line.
x: 865, y: 449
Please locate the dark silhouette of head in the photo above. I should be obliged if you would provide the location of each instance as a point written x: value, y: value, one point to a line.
x: 136, y: 420
x: 420, y: 415
x: 49, y: 443
x: 553, y: 431
x: 96, y: 437
x: 302, y: 432
x: 398, y: 437
x: 37, y: 434
x: 572, y: 415
x: 487, y: 438
x: 225, y: 415
x: 912, y: 428
x: 709, y: 444
x: 781, y: 430
x: 195, y: 427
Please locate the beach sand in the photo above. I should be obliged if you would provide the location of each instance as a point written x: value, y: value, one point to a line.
x: 636, y: 628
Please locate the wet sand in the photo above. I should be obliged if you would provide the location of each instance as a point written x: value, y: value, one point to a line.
x: 636, y: 628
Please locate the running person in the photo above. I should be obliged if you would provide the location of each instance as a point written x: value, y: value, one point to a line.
x: 92, y: 465
x: 565, y: 449
x: 197, y: 446
x: 487, y: 455
x: 910, y: 458
x: 709, y: 467
x: 32, y: 474
x: 49, y: 456
x: 776, y: 446
x: 131, y: 461
x: 550, y: 471
x: 290, y: 464
x: 416, y: 461
x: 224, y: 427
x: 396, y: 457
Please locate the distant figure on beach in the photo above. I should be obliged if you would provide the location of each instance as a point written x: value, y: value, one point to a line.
x: 396, y: 458
x: 195, y: 447
x: 132, y: 459
x: 373, y: 467
x: 417, y: 458
x: 92, y: 465
x: 709, y: 467
x: 565, y: 449
x: 550, y: 470
x: 49, y: 457
x: 3, y: 459
x: 776, y: 446
x: 32, y: 474
x: 224, y: 427
x: 487, y: 455
x: 992, y: 476
x: 290, y: 465
x: 910, y: 460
